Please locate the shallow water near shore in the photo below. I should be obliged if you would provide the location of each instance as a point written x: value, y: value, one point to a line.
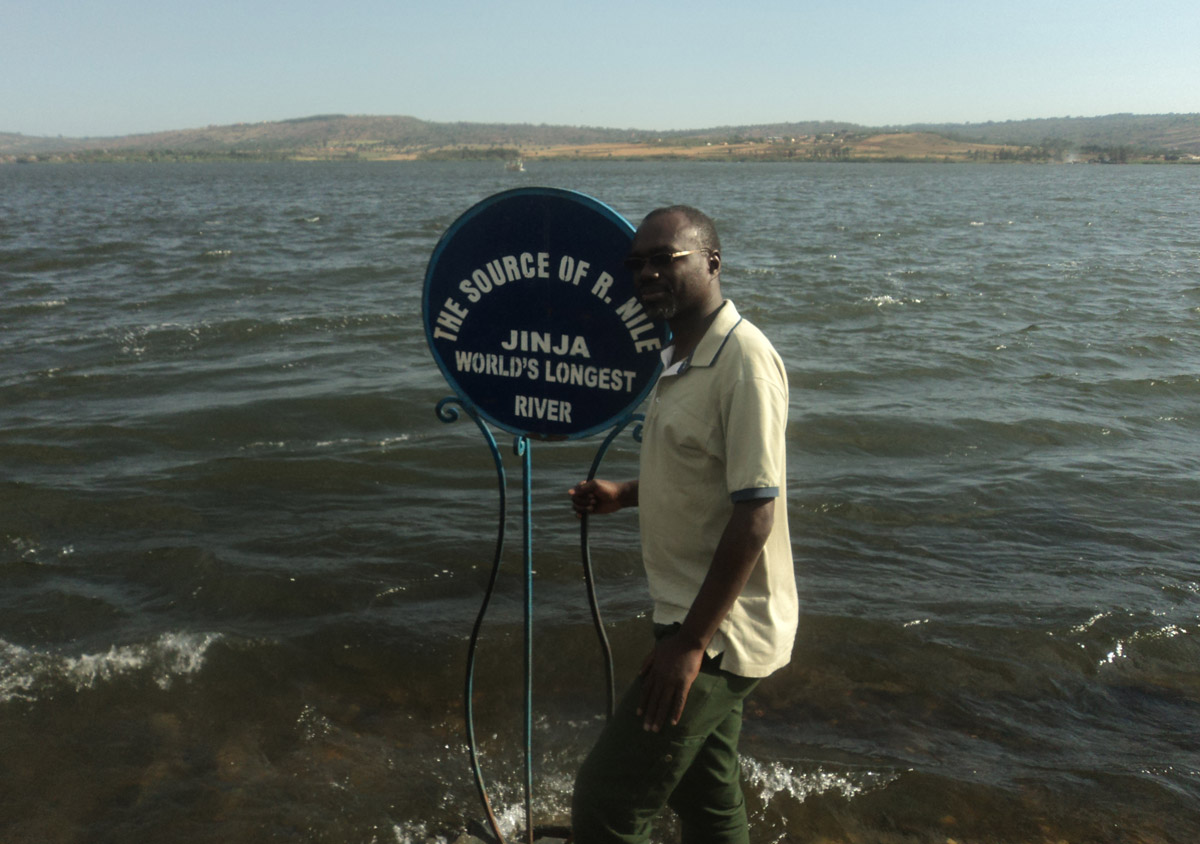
x: 240, y: 556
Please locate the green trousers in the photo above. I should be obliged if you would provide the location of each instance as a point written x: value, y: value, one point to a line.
x: 631, y: 775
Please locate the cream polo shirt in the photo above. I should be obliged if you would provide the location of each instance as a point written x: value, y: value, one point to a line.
x: 713, y: 435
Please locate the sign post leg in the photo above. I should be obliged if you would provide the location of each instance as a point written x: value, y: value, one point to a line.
x: 524, y: 449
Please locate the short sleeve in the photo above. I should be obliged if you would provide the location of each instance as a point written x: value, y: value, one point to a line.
x: 755, y: 427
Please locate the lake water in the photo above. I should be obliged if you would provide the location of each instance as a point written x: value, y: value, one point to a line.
x: 240, y: 556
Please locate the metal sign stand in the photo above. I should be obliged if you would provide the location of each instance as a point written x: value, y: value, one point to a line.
x: 537, y: 327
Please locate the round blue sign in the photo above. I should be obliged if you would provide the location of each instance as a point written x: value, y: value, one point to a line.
x: 533, y: 319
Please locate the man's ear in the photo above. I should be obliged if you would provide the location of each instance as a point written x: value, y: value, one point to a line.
x: 714, y: 261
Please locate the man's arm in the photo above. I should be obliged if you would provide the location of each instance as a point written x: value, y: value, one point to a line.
x: 672, y: 666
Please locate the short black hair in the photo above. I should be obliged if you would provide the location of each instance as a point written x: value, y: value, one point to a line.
x: 706, y: 229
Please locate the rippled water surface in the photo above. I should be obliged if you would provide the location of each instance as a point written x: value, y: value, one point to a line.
x: 240, y: 556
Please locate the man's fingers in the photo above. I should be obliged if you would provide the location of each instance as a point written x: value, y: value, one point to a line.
x: 582, y: 499
x: 653, y: 719
x: 649, y: 695
x: 680, y: 702
x: 660, y: 703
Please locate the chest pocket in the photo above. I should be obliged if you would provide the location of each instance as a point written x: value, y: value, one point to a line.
x: 685, y: 418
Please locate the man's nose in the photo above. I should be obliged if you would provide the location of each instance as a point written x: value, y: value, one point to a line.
x: 647, y: 271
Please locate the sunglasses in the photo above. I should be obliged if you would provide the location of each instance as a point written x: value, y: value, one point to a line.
x: 658, y: 261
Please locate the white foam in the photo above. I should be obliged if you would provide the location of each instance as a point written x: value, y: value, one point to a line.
x: 1119, y: 651
x: 32, y: 552
x: 16, y: 676
x: 414, y: 832
x: 24, y: 671
x: 1082, y: 628
x: 1116, y: 653
x: 774, y: 778
x: 881, y: 301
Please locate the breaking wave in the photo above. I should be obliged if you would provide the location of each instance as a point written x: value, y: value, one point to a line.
x: 30, y: 673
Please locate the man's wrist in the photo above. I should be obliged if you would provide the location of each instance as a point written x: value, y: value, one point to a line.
x: 688, y: 640
x: 628, y: 494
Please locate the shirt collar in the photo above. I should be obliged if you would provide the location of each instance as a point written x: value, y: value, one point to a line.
x: 710, y: 345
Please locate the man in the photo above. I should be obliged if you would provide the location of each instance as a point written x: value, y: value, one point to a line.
x: 711, y: 495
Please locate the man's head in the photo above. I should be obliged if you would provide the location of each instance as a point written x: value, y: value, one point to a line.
x: 676, y: 263
x: 706, y: 229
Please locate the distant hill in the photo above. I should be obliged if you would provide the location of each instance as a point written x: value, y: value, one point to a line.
x: 324, y: 132
x: 1142, y: 132
x: 1145, y: 133
x: 337, y: 136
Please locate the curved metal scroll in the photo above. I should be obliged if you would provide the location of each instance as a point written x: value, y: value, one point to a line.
x: 447, y: 413
x: 586, y: 552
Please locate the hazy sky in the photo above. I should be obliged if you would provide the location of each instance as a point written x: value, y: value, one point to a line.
x: 124, y: 66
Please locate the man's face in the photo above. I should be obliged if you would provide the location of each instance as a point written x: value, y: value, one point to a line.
x: 687, y: 283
